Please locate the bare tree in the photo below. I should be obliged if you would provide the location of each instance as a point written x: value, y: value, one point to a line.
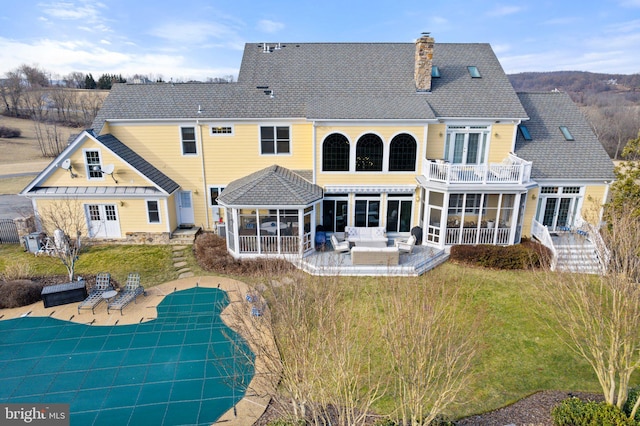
x: 90, y: 104
x: 64, y: 222
x: 599, y: 315
x: 431, y: 346
x: 614, y: 124
x: 74, y: 80
x: 50, y: 139
x: 34, y: 76
x: 12, y: 92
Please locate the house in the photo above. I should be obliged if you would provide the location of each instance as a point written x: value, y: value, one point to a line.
x: 398, y: 135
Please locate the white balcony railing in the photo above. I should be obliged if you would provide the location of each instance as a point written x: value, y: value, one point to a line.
x: 541, y: 232
x: 511, y: 170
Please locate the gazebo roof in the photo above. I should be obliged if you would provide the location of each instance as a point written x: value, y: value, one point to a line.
x: 271, y: 187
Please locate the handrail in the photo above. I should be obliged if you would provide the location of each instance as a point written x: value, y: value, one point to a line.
x: 509, y: 171
x: 541, y: 232
x: 593, y: 233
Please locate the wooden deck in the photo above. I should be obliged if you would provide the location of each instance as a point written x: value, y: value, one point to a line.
x: 330, y: 263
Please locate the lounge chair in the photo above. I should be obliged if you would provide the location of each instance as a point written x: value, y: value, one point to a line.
x: 406, y: 246
x: 339, y: 246
x: 103, y: 283
x: 131, y: 291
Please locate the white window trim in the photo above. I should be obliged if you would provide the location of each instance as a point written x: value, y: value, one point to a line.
x: 275, y: 142
x: 220, y: 188
x: 220, y: 126
x: 466, y: 130
x: 195, y: 134
x: 86, y: 165
x: 146, y: 203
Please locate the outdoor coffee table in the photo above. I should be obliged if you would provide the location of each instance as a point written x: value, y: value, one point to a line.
x: 108, y: 295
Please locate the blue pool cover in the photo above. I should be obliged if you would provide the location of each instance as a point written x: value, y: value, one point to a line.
x: 185, y: 367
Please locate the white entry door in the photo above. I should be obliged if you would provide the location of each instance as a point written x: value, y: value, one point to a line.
x: 185, y: 208
x: 103, y: 221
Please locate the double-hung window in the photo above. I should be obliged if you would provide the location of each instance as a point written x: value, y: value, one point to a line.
x: 153, y: 211
x: 466, y: 144
x: 93, y: 163
x: 275, y: 140
x: 188, y: 140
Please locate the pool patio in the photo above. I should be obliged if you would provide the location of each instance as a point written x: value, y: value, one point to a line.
x: 249, y: 408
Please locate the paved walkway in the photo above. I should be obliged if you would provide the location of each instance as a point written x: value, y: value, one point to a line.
x: 237, y: 316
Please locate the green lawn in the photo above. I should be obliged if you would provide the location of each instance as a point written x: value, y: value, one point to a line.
x: 520, y: 352
x: 154, y: 263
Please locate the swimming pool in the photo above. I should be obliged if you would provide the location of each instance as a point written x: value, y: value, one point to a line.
x: 185, y: 367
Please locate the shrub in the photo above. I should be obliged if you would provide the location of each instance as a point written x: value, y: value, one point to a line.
x: 9, y: 132
x: 16, y: 293
x: 526, y: 255
x: 634, y: 393
x: 575, y: 412
x: 211, y: 254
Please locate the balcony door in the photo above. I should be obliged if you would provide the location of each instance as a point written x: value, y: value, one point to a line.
x: 466, y: 144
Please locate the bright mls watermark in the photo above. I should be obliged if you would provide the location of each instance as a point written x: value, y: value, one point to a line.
x: 37, y: 414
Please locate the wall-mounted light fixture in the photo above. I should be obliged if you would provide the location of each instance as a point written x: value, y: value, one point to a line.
x: 496, y: 135
x: 533, y: 196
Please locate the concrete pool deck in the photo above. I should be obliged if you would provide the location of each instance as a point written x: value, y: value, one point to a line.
x: 237, y: 316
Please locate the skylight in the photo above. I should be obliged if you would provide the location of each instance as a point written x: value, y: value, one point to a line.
x: 435, y: 72
x: 566, y: 133
x: 473, y: 71
x: 525, y: 132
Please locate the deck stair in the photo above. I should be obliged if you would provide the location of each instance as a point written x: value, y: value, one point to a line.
x: 576, y: 254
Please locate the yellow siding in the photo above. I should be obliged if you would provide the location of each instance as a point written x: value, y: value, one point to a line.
x: 368, y: 178
x: 123, y: 173
x: 435, y: 141
x: 501, y: 142
x: 228, y: 158
x: 132, y: 213
x: 530, y: 211
x: 592, y: 205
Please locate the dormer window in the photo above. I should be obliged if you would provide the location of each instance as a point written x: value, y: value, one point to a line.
x: 474, y: 72
x: 524, y: 131
x: 566, y: 133
x: 435, y: 72
x: 93, y: 164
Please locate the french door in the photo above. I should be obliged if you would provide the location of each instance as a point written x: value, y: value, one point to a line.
x: 102, y: 221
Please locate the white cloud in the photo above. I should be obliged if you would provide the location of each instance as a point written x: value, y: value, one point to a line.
x: 504, y: 11
x: 268, y: 26
x: 70, y: 11
x: 192, y: 32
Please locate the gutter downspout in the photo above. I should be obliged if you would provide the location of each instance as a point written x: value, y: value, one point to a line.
x: 313, y: 154
x: 204, y: 175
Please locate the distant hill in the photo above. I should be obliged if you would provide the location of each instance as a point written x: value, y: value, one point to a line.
x: 583, y: 87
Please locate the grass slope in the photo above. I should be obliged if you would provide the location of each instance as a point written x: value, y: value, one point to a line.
x: 520, y: 353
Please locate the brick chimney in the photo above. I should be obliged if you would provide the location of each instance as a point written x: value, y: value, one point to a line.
x: 423, y: 62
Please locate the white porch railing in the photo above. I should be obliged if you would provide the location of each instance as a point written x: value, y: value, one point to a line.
x: 541, y: 232
x: 511, y: 170
x: 270, y: 244
x: 498, y: 236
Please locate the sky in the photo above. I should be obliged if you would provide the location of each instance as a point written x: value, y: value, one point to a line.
x: 200, y: 39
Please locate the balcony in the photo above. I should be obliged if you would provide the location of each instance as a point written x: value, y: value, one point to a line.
x: 512, y: 170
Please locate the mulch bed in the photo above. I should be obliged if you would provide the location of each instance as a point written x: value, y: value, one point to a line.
x: 534, y: 410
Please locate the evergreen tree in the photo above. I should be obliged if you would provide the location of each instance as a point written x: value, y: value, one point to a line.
x: 89, y: 82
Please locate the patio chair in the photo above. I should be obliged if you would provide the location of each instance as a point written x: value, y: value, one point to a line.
x: 132, y: 290
x: 406, y: 246
x: 339, y: 246
x: 103, y: 283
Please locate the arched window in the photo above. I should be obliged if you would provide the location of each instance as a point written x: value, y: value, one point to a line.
x: 402, y: 153
x: 369, y: 153
x: 335, y: 153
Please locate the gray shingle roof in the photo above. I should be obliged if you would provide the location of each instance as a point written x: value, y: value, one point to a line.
x: 274, y: 185
x: 552, y: 155
x: 330, y: 81
x: 139, y: 163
